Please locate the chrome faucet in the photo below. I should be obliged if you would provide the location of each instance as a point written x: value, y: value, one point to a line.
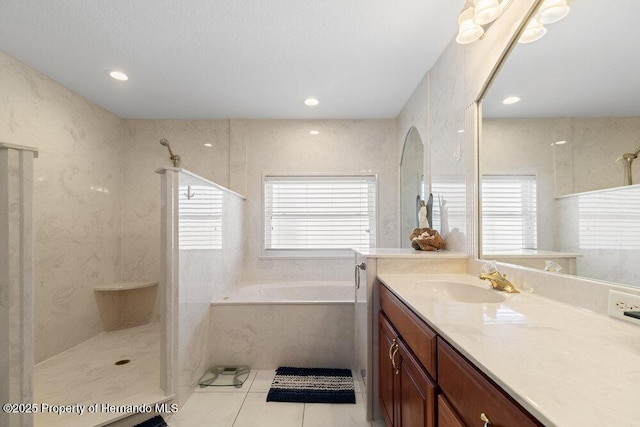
x: 499, y: 282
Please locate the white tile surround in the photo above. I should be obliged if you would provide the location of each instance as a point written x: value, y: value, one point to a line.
x: 265, y: 336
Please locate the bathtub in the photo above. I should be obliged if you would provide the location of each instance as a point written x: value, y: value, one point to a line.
x: 271, y: 324
x: 307, y: 292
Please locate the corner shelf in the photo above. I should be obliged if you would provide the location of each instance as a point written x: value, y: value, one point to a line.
x: 123, y: 286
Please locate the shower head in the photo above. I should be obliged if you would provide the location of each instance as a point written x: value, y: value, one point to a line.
x: 630, y: 156
x: 174, y: 158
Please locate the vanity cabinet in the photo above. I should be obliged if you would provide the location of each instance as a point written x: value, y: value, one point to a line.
x: 407, y: 390
x: 473, y: 396
x: 424, y: 381
x: 407, y: 393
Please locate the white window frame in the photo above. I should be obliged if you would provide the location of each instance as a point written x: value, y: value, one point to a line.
x: 528, y: 215
x: 315, y: 252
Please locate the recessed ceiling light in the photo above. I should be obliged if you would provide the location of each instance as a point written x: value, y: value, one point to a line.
x: 311, y: 102
x: 314, y: 132
x: 208, y: 145
x: 118, y: 75
x: 511, y: 100
x: 559, y: 143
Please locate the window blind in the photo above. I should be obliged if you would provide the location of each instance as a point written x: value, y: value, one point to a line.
x: 610, y: 219
x: 509, y: 216
x: 200, y: 217
x: 329, y: 212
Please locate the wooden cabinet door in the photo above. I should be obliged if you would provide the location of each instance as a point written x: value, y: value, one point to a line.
x: 386, y: 346
x: 447, y: 417
x: 416, y: 392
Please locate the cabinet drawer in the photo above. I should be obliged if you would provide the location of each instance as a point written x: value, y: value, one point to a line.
x: 419, y: 337
x: 471, y: 393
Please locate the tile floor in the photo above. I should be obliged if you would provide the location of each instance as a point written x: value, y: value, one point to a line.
x: 247, y: 406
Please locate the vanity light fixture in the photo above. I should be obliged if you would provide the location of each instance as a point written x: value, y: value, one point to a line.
x: 208, y: 144
x: 475, y: 18
x: 534, y: 31
x: 468, y: 31
x: 486, y: 11
x: 314, y: 132
x: 511, y: 100
x: 552, y: 11
x: 311, y: 102
x: 118, y: 75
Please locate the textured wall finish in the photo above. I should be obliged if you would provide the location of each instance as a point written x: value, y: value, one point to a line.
x: 342, y: 147
x: 76, y: 200
x: 522, y: 147
x: 449, y: 154
x: 141, y: 186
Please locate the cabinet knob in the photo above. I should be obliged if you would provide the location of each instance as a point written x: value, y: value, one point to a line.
x: 484, y: 418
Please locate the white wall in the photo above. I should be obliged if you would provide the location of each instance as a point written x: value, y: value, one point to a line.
x: 204, y: 275
x: 77, y: 200
x: 342, y: 147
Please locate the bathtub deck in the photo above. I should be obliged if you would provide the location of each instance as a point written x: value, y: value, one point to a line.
x: 86, y: 375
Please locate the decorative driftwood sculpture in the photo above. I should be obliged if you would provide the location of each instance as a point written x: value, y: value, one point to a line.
x: 426, y: 239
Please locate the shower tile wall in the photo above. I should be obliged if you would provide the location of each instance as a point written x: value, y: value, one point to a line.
x: 76, y: 200
x: 205, y: 274
x: 141, y: 189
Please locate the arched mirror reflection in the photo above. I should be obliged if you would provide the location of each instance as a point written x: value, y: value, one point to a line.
x: 411, y: 184
x: 560, y: 189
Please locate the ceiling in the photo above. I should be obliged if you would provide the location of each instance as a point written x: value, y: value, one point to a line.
x: 206, y: 59
x: 587, y: 65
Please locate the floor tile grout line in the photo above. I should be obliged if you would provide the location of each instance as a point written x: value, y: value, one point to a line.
x: 246, y: 394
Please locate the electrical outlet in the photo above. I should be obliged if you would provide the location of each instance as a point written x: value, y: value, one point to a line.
x: 619, y: 302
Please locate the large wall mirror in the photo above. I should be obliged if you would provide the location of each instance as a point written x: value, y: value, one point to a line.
x: 411, y: 184
x: 560, y: 182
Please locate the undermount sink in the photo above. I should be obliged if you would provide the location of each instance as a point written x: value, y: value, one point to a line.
x: 461, y: 292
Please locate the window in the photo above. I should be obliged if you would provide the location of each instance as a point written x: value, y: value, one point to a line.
x: 200, y: 217
x: 509, y: 212
x: 307, y: 213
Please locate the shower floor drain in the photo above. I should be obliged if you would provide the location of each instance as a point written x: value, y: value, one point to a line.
x: 122, y: 362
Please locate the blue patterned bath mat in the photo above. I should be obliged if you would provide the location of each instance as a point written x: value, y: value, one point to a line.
x: 156, y: 421
x: 312, y: 385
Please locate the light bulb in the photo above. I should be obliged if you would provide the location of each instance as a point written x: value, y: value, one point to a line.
x: 486, y: 11
x: 552, y: 11
x: 468, y: 31
x: 534, y: 31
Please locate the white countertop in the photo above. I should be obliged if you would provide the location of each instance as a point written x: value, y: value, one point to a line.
x: 407, y: 253
x: 530, y: 253
x: 567, y: 366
